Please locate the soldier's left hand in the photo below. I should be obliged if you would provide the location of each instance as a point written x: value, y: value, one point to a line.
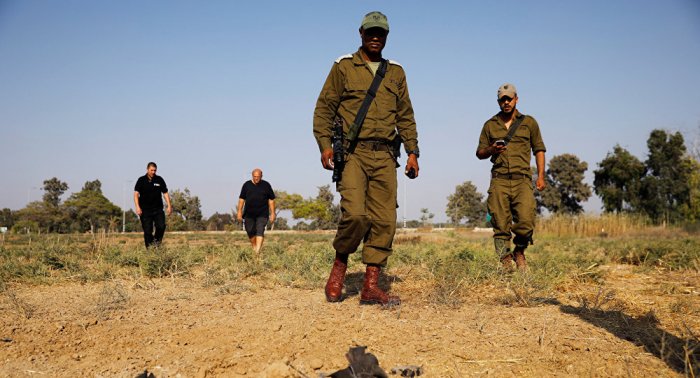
x: 327, y: 159
x: 540, y: 184
x: 169, y: 211
x: 412, y: 162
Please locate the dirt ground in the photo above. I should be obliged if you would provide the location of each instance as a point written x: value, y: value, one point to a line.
x: 178, y: 328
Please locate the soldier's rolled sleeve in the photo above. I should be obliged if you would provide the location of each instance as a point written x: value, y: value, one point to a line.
x: 536, y: 139
x: 326, y: 107
x: 484, y: 141
x: 405, y: 120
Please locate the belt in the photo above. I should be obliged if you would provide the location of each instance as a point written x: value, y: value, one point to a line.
x: 372, y: 145
x: 508, y: 176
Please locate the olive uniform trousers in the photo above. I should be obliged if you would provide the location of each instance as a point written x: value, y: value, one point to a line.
x: 368, y: 205
x: 511, y: 204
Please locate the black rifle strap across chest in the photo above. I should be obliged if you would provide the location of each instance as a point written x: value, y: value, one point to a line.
x: 513, y: 127
x: 369, y: 97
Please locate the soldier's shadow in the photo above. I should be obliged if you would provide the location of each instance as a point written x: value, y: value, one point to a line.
x: 354, y: 281
x: 680, y: 354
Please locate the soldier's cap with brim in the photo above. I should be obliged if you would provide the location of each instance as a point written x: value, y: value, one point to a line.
x: 507, y: 90
x: 375, y: 20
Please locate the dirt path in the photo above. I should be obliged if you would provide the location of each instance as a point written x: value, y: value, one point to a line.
x: 177, y: 328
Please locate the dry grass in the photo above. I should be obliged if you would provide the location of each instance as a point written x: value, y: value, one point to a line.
x: 436, y: 268
x: 16, y: 304
x: 590, y: 225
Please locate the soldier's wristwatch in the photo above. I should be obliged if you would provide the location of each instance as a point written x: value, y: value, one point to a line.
x: 417, y: 153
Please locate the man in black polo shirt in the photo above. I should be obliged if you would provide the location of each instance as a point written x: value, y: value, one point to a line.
x: 149, y: 205
x: 259, y: 199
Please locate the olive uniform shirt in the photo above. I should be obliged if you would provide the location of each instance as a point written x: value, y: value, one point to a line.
x: 516, y: 159
x: 343, y: 94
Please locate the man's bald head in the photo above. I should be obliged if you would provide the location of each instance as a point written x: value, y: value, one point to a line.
x: 257, y: 176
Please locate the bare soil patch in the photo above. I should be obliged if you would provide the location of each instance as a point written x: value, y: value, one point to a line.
x: 178, y: 328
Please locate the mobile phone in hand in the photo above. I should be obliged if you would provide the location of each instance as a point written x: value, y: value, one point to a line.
x: 411, y: 173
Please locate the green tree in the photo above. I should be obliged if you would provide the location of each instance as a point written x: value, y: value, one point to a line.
x: 24, y: 227
x: 282, y: 224
x: 132, y: 223
x: 38, y: 214
x: 301, y: 226
x: 312, y: 210
x: 691, y: 210
x: 189, y: 208
x: 426, y: 216
x: 285, y: 201
x: 617, y: 181
x: 90, y: 210
x: 219, y: 222
x: 565, y: 188
x: 54, y: 220
x: 93, y: 186
x: 326, y: 196
x: 666, y: 189
x: 324, y: 215
x: 466, y: 203
x: 54, y: 189
x: 7, y: 218
x: 175, y: 222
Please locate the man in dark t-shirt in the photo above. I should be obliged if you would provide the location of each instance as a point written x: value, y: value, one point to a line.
x: 259, y: 200
x: 149, y: 205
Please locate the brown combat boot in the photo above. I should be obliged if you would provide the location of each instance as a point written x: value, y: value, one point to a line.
x: 519, y: 256
x: 372, y: 294
x: 507, y: 261
x: 334, y: 286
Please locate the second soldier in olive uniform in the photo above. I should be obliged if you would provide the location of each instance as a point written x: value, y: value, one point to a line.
x: 511, y: 202
x: 368, y: 185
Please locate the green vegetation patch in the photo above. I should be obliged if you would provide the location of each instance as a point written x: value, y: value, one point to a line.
x: 444, y: 270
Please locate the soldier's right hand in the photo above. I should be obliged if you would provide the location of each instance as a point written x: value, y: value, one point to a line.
x: 495, y: 149
x: 138, y: 211
x: 327, y: 159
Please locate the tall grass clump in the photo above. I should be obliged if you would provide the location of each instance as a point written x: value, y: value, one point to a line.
x: 675, y: 254
x: 451, y: 269
x: 166, y: 260
x: 589, y: 225
x: 300, y: 264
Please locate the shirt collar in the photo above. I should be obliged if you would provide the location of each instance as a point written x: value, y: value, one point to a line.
x: 358, y: 59
x: 496, y: 118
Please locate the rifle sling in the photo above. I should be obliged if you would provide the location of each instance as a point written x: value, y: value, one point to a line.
x: 513, y: 127
x: 369, y: 97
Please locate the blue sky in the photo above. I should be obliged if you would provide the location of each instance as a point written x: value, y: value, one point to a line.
x: 211, y: 90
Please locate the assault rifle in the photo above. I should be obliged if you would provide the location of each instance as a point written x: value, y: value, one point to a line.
x: 338, y: 150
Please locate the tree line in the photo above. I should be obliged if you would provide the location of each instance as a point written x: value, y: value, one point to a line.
x: 89, y: 211
x: 663, y: 188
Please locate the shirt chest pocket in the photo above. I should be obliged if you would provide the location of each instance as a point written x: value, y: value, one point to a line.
x: 496, y: 136
x: 522, y: 135
x: 355, y: 90
x: 387, y: 96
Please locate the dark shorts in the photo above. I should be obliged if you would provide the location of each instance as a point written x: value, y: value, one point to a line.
x: 255, y: 226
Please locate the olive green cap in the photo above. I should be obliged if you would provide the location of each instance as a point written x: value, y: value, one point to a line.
x: 375, y: 20
x: 507, y: 90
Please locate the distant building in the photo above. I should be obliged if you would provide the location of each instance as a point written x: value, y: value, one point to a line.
x: 3, y: 230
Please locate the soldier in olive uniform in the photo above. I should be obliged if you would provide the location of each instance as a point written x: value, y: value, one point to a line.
x: 511, y: 202
x: 368, y: 184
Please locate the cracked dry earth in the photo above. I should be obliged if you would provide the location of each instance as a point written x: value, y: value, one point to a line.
x: 177, y: 328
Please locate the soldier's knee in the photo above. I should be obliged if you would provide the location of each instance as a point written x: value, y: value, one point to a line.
x: 360, y: 223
